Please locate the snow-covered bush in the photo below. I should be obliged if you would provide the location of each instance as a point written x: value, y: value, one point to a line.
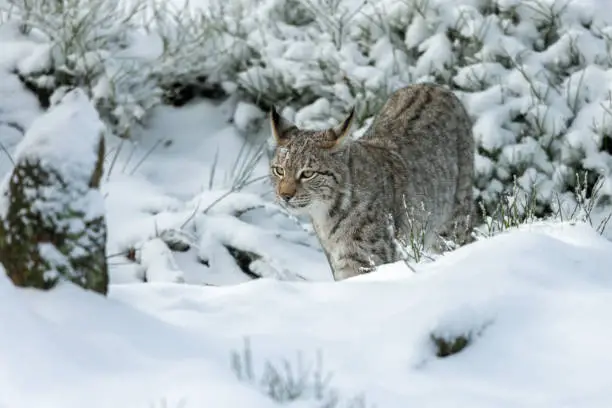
x: 228, y: 237
x: 52, y: 214
x: 535, y: 75
x: 90, y: 44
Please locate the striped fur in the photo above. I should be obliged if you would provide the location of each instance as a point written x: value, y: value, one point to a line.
x: 412, y: 171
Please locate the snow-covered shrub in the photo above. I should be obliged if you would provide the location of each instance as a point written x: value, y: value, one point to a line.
x: 535, y: 76
x: 52, y: 222
x: 229, y: 236
x: 91, y: 44
x: 195, y: 52
x: 128, y: 56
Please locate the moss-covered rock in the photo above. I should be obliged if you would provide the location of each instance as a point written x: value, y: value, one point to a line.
x: 53, y: 226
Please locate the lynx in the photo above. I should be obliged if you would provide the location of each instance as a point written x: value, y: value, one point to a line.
x: 412, y: 170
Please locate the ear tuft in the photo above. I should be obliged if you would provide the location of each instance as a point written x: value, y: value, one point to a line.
x: 344, y: 129
x: 279, y: 126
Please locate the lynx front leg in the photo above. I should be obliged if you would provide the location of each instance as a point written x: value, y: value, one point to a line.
x: 357, y: 255
x: 347, y: 267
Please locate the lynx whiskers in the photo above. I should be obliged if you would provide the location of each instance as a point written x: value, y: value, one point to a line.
x: 413, y: 166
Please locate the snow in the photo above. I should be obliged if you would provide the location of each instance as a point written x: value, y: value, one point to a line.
x: 203, y: 208
x: 354, y: 54
x: 158, y: 262
x: 535, y: 301
x: 65, y: 139
x: 18, y: 108
x: 189, y: 194
x: 247, y: 117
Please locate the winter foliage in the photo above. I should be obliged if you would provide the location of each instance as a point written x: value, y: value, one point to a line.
x: 535, y: 75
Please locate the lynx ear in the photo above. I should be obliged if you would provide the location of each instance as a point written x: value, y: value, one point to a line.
x: 344, y: 129
x: 279, y: 126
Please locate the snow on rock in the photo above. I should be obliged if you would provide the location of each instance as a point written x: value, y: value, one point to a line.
x: 53, y: 223
x: 534, y: 301
x: 66, y: 138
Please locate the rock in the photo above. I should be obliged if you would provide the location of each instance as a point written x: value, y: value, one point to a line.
x: 52, y: 214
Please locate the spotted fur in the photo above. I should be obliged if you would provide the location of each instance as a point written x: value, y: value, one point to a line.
x: 411, y: 171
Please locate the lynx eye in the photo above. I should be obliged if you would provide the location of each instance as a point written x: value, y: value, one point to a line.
x: 307, y: 174
x: 278, y: 171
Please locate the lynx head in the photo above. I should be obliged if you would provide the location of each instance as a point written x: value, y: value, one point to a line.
x: 307, y: 167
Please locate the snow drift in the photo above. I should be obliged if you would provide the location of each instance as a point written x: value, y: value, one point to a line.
x: 533, y: 302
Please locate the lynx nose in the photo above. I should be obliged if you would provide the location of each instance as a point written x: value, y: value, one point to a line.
x: 286, y: 197
x: 286, y: 190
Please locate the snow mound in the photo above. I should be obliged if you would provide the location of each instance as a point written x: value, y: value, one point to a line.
x: 66, y: 139
x: 532, y: 302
